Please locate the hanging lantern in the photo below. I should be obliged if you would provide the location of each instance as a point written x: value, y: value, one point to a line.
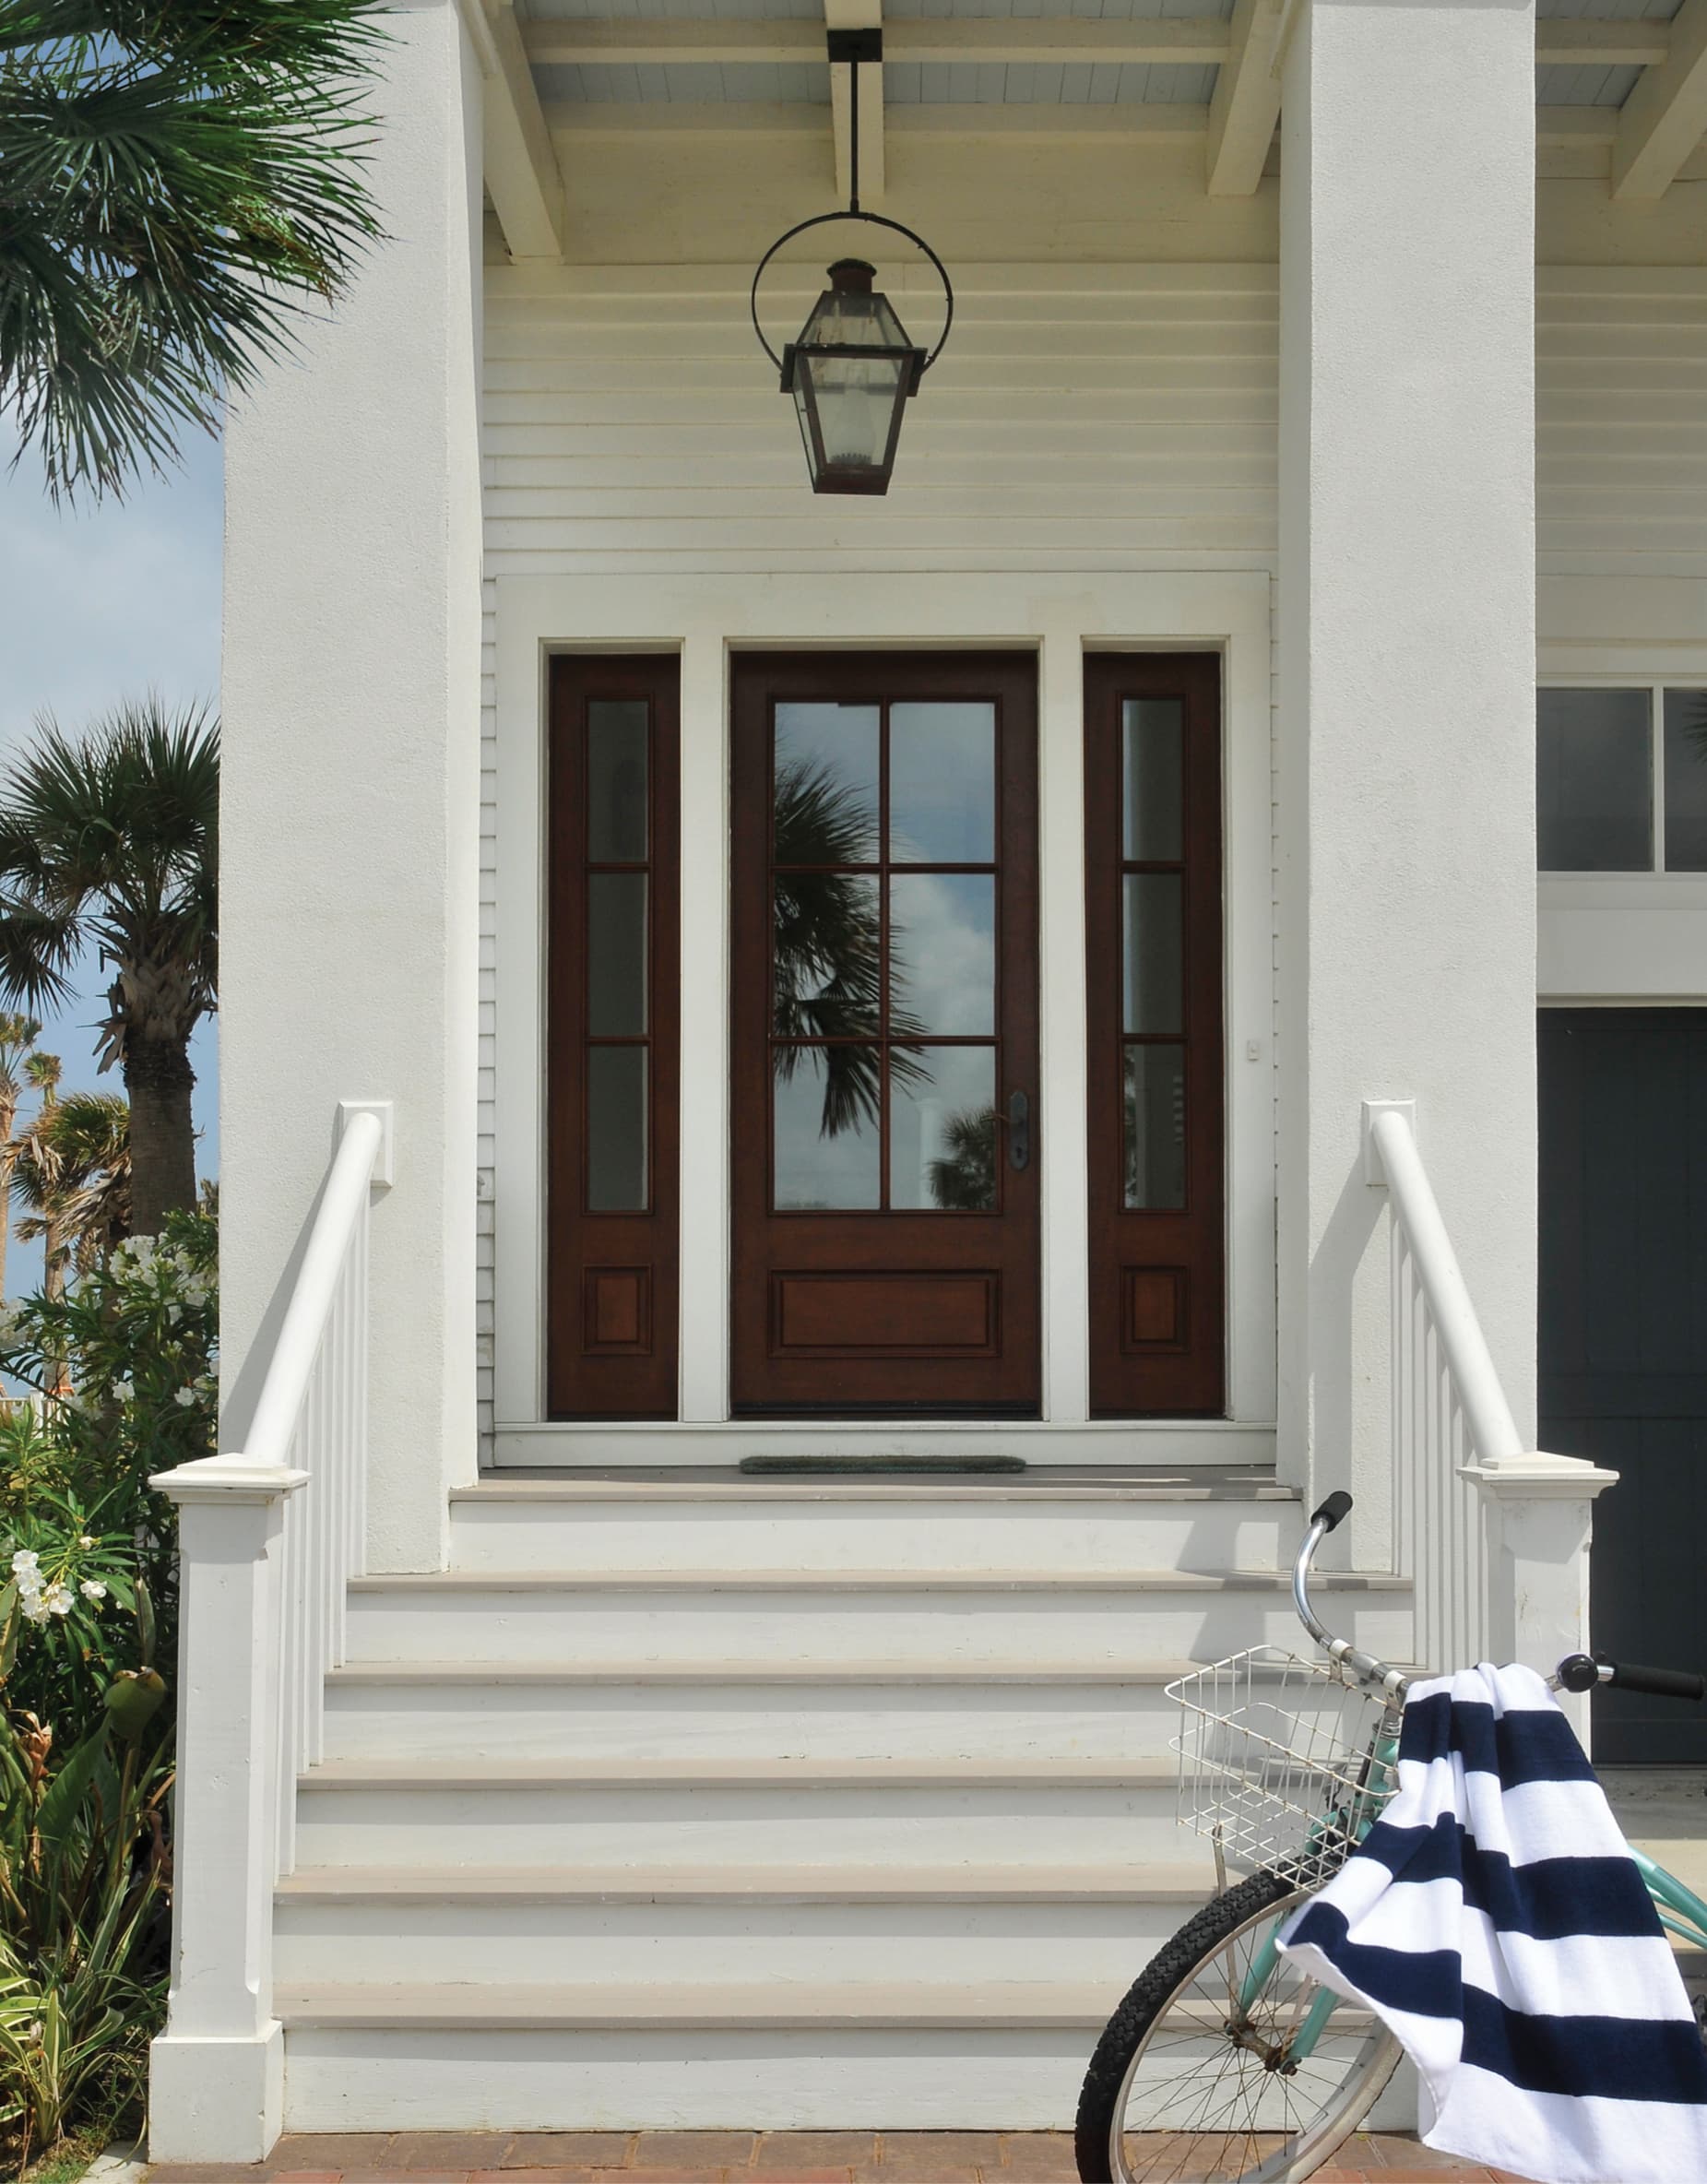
x: 853, y: 367
x: 851, y: 372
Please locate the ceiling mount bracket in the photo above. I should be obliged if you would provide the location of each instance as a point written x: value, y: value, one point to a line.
x: 854, y: 45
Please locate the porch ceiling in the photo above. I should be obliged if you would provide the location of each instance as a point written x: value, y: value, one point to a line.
x: 1621, y: 85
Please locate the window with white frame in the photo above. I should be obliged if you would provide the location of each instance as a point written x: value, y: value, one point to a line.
x: 1621, y: 780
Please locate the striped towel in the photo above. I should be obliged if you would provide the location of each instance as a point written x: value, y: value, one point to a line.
x: 1496, y: 1920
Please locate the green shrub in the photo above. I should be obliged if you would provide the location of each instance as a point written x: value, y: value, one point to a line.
x: 87, y: 1600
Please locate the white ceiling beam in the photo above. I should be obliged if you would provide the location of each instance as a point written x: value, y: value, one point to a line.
x: 983, y: 39
x: 858, y: 14
x: 1585, y: 43
x: 523, y: 178
x: 610, y: 118
x: 1664, y: 117
x: 1576, y: 124
x: 1245, y: 105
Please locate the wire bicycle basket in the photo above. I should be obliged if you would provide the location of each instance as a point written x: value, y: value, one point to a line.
x: 1282, y: 1763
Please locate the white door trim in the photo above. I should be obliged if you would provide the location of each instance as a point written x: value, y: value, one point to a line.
x: 1062, y: 615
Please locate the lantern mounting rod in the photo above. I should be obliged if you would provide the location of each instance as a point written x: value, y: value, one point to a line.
x: 852, y: 49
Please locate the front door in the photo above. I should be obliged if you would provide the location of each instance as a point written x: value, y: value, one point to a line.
x: 885, y: 1034
x: 1623, y: 1374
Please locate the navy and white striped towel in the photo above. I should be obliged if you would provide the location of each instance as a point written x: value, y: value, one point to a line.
x: 1495, y: 1918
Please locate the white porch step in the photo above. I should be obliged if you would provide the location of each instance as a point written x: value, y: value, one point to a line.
x: 773, y: 2055
x: 877, y: 1709
x: 683, y: 1926
x: 797, y: 1779
x: 1036, y: 1617
x: 1190, y: 1519
x: 359, y: 1814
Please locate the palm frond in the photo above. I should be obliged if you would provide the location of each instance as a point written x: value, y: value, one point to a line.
x: 179, y: 181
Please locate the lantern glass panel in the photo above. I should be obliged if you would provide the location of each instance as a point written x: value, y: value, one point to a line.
x: 855, y: 402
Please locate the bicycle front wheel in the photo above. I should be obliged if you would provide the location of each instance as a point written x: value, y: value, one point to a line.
x: 1215, y: 2070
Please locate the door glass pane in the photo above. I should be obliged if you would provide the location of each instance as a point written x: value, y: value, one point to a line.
x: 1686, y: 780
x: 616, y: 1129
x: 942, y: 952
x: 1593, y: 781
x: 943, y: 1142
x: 825, y: 1133
x: 943, y: 784
x: 826, y: 784
x: 1153, y: 778
x: 1155, y: 1102
x: 1154, y: 951
x: 826, y: 954
x: 616, y: 780
x: 616, y: 954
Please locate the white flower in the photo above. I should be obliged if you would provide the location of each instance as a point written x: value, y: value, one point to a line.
x: 36, y: 1610
x: 91, y: 1588
x: 25, y: 1559
x: 173, y: 1315
x: 85, y: 1540
x: 58, y: 1601
x: 126, y: 1390
x: 184, y: 1397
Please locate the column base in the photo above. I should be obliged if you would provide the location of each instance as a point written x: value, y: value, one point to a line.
x: 216, y: 2100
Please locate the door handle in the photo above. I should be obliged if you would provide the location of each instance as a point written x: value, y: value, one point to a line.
x: 1019, y: 1130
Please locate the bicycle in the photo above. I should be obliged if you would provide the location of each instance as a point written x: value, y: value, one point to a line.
x: 1225, y: 2064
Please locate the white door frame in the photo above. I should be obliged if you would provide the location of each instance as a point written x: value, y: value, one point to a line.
x: 1061, y: 615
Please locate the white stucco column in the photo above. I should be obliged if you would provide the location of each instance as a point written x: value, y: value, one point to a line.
x: 351, y: 813
x: 1406, y: 768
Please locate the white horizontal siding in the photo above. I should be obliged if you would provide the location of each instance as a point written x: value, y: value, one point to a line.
x: 1621, y: 440
x: 1107, y: 409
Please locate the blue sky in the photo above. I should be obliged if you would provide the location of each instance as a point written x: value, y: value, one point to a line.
x: 96, y: 607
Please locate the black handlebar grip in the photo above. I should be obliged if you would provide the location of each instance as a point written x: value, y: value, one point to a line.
x: 1654, y: 1683
x: 1333, y: 1511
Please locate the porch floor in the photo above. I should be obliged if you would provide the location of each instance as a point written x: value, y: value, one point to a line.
x: 763, y: 2158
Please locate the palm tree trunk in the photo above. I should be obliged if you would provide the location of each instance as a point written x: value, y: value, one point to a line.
x: 158, y: 1078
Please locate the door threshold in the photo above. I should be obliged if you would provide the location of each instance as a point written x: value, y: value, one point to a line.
x: 877, y: 1466
x: 1167, y: 1444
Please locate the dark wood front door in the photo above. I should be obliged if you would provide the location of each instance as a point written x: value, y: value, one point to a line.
x: 1623, y: 1363
x: 885, y: 1034
x: 612, y: 845
x: 1157, y: 1070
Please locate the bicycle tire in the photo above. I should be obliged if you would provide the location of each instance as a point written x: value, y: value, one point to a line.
x: 1099, y: 2133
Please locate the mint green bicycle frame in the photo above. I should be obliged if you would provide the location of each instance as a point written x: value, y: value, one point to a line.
x: 1682, y: 1912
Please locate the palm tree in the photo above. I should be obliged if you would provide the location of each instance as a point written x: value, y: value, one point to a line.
x: 17, y: 1035
x: 110, y: 841
x: 963, y: 1179
x: 179, y: 178
x: 71, y: 1176
x: 828, y: 948
x: 34, y: 1178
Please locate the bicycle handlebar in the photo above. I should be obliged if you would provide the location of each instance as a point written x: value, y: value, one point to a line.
x: 1584, y: 1671
x: 1577, y: 1672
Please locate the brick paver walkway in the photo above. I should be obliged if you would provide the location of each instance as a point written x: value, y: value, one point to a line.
x: 747, y: 2157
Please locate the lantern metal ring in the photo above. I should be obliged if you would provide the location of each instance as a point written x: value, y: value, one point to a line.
x: 874, y: 219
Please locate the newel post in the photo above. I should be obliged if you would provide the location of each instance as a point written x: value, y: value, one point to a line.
x: 1538, y: 1515
x: 217, y: 2073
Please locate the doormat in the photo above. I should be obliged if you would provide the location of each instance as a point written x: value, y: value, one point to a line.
x: 839, y: 1466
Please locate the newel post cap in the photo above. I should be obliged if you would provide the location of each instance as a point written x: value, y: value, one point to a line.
x: 216, y: 1482
x: 1539, y: 1477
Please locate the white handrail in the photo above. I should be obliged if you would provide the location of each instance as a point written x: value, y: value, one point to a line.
x: 1449, y: 1412
x: 270, y: 1536
x: 1493, y: 1534
x: 343, y: 1204
x: 1416, y: 1211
